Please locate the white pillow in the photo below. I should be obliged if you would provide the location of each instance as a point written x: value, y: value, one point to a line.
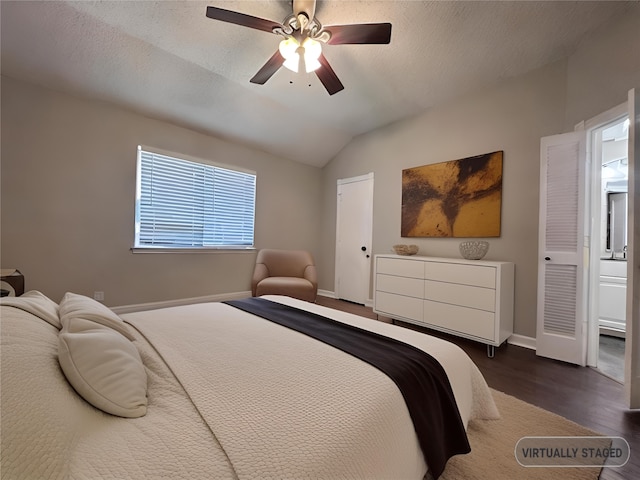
x: 103, y: 367
x: 73, y: 305
x: 37, y: 304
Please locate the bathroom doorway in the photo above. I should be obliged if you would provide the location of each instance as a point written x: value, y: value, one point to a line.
x: 609, y: 203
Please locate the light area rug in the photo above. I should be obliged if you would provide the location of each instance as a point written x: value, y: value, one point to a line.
x: 493, y: 444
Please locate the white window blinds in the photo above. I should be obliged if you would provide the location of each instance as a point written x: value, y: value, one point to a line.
x: 186, y: 204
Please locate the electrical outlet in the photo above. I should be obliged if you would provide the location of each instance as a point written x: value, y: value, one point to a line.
x: 98, y: 296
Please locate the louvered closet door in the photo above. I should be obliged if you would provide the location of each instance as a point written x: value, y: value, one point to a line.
x: 562, y: 319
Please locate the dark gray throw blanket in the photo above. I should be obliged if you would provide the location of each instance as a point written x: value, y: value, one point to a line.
x: 420, y: 377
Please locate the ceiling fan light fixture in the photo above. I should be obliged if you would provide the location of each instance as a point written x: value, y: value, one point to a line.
x: 312, y: 52
x: 291, y: 50
x: 300, y: 49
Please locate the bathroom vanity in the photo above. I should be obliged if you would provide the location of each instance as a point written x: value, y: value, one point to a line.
x: 613, y: 297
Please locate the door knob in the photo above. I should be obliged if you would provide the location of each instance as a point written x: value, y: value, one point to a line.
x: 364, y: 249
x: 547, y: 258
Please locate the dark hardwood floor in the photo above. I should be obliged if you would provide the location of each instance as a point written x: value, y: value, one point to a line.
x: 580, y: 394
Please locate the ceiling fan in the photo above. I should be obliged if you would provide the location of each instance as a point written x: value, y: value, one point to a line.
x: 301, y: 49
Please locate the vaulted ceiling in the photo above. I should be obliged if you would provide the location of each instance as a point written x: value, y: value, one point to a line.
x: 167, y: 60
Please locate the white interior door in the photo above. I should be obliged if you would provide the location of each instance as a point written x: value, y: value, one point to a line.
x: 561, y: 331
x: 632, y: 350
x: 353, y: 238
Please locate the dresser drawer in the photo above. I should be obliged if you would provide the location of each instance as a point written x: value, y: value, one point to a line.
x: 468, y: 298
x: 399, y: 305
x: 476, y: 275
x: 465, y: 295
x: 411, y: 287
x: 400, y: 267
x: 477, y: 323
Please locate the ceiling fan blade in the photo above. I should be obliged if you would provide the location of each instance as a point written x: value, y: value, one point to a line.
x: 242, y: 19
x: 328, y: 77
x: 268, y: 69
x: 369, y: 33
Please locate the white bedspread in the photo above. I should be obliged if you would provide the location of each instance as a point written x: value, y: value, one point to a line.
x: 283, y: 405
x: 261, y: 402
x: 50, y: 432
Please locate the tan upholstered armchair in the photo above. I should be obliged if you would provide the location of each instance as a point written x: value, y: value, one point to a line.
x: 285, y: 272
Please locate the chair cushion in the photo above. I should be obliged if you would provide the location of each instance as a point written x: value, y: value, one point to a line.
x: 289, y: 286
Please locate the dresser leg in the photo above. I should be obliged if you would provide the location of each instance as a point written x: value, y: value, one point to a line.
x: 491, y: 351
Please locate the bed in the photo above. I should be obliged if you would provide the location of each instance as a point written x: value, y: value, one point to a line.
x: 205, y: 391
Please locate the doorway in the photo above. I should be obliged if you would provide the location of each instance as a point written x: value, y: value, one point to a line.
x: 354, y: 224
x: 609, y: 237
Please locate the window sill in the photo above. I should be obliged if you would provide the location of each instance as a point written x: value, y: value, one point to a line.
x: 193, y: 250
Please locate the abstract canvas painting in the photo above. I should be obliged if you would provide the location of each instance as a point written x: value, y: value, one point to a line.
x: 458, y: 198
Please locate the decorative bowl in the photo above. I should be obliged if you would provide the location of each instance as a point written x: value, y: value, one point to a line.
x: 405, y: 249
x: 474, y: 249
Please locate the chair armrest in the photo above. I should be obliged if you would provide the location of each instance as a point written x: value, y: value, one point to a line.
x: 311, y: 274
x: 260, y: 272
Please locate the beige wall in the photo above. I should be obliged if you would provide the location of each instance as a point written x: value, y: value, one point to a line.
x: 511, y: 117
x: 68, y: 188
x: 68, y: 175
x: 603, y: 70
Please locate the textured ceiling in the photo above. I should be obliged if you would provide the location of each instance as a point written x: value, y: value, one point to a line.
x: 168, y: 60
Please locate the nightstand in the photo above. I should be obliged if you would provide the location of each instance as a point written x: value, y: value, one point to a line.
x: 11, y: 282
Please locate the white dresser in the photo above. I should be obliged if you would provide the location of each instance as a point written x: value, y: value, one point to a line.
x: 468, y: 298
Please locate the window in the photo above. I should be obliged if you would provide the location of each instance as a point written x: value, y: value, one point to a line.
x: 184, y: 204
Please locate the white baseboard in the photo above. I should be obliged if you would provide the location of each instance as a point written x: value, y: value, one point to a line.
x: 181, y: 301
x: 612, y: 332
x: 188, y: 301
x: 329, y: 294
x: 326, y: 293
x: 522, y: 341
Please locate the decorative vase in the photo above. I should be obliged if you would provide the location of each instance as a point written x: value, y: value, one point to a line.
x: 474, y: 249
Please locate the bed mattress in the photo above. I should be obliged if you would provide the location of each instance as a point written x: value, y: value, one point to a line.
x: 230, y: 395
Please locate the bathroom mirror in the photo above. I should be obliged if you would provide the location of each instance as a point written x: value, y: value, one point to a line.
x: 616, y: 239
